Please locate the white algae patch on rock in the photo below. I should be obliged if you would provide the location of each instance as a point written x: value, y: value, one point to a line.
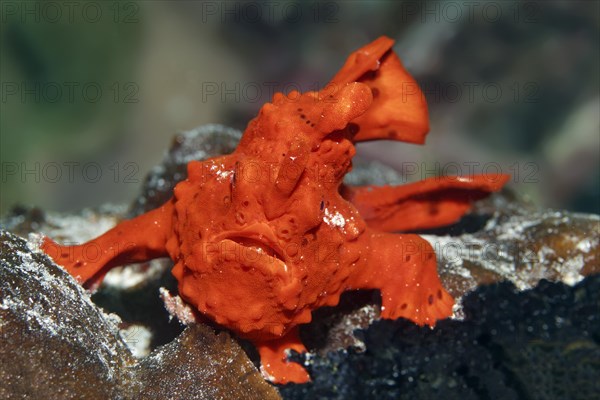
x: 177, y: 308
x: 79, y: 228
x: 138, y: 339
x: 130, y: 276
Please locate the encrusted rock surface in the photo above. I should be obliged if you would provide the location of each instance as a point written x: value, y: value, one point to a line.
x: 56, y: 344
x: 521, y: 246
x: 202, y: 364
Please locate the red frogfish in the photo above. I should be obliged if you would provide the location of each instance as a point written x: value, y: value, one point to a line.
x: 263, y: 236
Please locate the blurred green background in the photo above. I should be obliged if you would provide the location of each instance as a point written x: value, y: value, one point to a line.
x: 92, y: 92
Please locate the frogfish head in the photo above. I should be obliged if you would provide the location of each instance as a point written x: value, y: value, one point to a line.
x: 262, y: 209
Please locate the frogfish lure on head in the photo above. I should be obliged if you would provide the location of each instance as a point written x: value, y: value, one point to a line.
x: 262, y: 237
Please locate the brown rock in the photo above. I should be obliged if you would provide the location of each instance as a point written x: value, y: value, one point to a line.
x: 55, y: 343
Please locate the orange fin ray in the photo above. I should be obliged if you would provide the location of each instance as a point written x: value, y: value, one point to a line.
x: 404, y: 269
x: 274, y: 363
x: 399, y: 109
x: 140, y: 239
x: 426, y: 204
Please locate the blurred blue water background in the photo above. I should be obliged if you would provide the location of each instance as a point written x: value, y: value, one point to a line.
x: 92, y: 92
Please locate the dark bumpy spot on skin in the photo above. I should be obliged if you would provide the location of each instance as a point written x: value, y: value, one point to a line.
x: 353, y: 128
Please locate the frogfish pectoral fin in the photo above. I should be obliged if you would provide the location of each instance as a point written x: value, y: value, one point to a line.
x: 425, y: 204
x: 404, y: 269
x: 139, y: 239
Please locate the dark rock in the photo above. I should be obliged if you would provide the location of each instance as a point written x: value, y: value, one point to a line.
x: 536, y: 344
x: 369, y: 172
